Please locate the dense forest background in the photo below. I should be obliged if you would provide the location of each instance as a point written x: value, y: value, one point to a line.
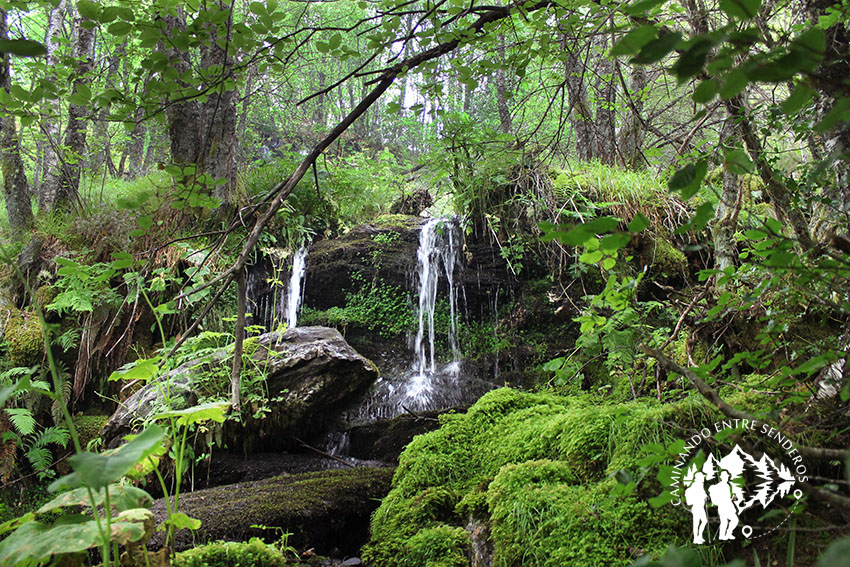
x: 671, y: 179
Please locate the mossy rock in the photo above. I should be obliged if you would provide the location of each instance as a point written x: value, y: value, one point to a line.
x: 322, y: 510
x: 661, y: 255
x: 254, y: 553
x: 45, y: 295
x: 538, y: 469
x: 89, y: 427
x: 24, y: 339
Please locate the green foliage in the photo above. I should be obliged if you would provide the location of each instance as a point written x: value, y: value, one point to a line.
x: 254, y: 553
x: 376, y: 306
x: 539, y: 467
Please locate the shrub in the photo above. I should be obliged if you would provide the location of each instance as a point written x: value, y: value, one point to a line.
x: 254, y: 553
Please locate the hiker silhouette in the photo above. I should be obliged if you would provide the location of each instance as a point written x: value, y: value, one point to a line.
x: 695, y: 498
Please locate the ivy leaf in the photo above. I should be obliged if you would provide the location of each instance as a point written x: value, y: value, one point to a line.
x: 22, y: 47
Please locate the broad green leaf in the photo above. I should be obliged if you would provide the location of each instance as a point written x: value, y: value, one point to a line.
x: 639, y: 223
x: 144, y: 370
x: 799, y: 97
x: 733, y: 83
x: 87, y: 9
x: 216, y: 411
x: 335, y: 40
x: 15, y: 523
x: 97, y: 470
x: 633, y: 41
x: 35, y: 542
x: 840, y: 112
x: 740, y: 9
x: 657, y: 49
x: 692, y: 61
x: 120, y: 28
x: 641, y: 7
x: 688, y: 179
x: 22, y: 47
x: 123, y: 497
x: 181, y: 521
x: 737, y: 162
x: 701, y: 218
x: 836, y: 554
x: 706, y: 91
x: 614, y: 242
x: 122, y: 260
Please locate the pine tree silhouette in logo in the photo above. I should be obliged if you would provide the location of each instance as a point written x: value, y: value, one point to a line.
x: 723, y: 482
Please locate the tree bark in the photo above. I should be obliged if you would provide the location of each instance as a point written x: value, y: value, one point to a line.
x: 51, y: 172
x: 634, y: 133
x: 726, y: 214
x: 581, y: 117
x: 75, y: 135
x: 605, y: 149
x: 501, y: 83
x: 18, y: 204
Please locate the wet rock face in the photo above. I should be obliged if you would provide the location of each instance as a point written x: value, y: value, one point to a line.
x: 325, y: 510
x: 311, y: 372
x: 385, y: 249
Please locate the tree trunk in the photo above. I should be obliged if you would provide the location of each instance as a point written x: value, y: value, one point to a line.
x: 75, y: 135
x: 581, y: 118
x: 18, y: 204
x: 51, y: 164
x: 184, y: 118
x: 634, y: 133
x: 726, y: 214
x: 605, y: 149
x: 218, y: 113
x: 501, y: 83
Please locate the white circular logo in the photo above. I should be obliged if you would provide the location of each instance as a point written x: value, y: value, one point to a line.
x: 729, y: 483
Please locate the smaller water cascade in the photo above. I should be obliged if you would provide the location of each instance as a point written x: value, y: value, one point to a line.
x: 270, y: 301
x: 295, y: 289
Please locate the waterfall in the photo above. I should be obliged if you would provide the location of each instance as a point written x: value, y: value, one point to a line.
x: 270, y: 300
x: 438, y: 254
x: 295, y: 289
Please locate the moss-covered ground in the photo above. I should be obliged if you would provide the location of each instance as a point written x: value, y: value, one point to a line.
x: 541, y: 470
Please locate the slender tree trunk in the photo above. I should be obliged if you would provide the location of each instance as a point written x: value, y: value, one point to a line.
x: 75, y: 134
x: 633, y: 133
x: 605, y: 149
x: 581, y: 117
x: 726, y: 214
x: 18, y: 204
x: 51, y: 165
x: 501, y: 84
x: 236, y: 369
x: 218, y: 113
x: 103, y: 156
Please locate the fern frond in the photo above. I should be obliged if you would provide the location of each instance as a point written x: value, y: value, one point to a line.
x: 52, y: 435
x: 39, y: 457
x: 58, y: 404
x: 18, y: 371
x: 22, y: 420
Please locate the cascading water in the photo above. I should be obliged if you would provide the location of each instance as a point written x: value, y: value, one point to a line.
x: 295, y: 289
x: 269, y: 300
x: 438, y: 248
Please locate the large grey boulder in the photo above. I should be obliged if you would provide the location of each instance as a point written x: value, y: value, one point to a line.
x: 312, y: 373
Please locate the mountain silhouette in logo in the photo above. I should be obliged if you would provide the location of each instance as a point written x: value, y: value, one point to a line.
x: 772, y: 479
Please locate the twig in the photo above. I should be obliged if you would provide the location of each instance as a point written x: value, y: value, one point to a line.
x: 320, y: 452
x: 712, y: 396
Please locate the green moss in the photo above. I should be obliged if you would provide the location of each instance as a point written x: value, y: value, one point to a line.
x: 665, y: 258
x: 253, y: 553
x: 395, y: 221
x: 23, y: 335
x: 440, y: 546
x: 539, y: 468
x: 45, y: 295
x: 89, y: 427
